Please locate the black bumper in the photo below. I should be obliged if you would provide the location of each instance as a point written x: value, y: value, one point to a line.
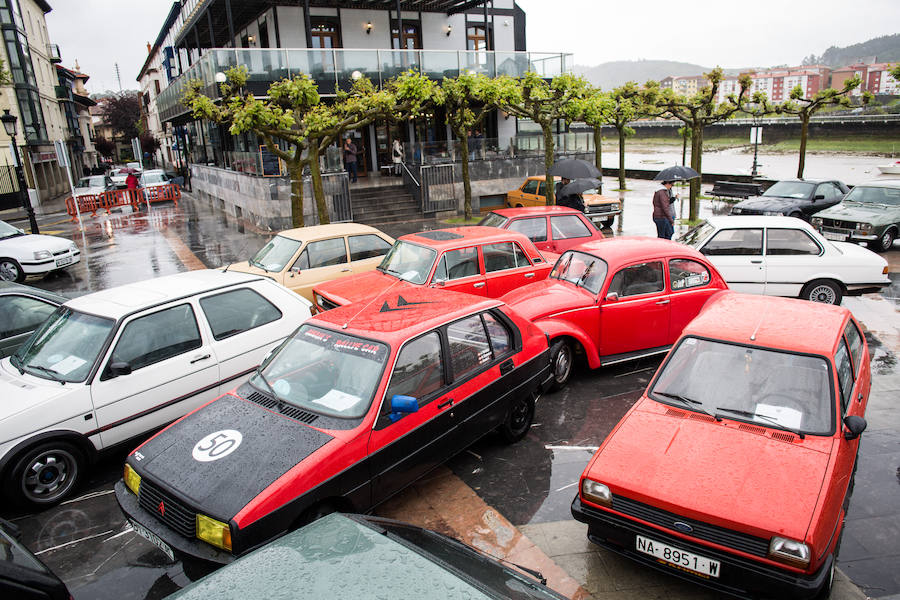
x: 739, y: 576
x: 183, y: 547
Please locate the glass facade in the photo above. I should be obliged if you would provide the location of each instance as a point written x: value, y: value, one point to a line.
x: 22, y: 70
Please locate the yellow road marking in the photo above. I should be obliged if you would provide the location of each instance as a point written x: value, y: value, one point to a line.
x: 182, y: 252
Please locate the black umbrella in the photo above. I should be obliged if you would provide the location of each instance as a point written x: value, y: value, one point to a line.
x: 578, y: 186
x: 573, y: 168
x: 676, y: 173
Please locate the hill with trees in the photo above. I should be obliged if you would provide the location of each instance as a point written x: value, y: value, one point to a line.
x: 885, y: 48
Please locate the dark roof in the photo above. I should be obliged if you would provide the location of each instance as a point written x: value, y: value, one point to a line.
x: 173, y: 14
x: 42, y: 4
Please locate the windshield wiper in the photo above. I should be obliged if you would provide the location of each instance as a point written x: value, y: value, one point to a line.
x: 53, y: 373
x: 258, y: 265
x: 746, y: 413
x: 688, y: 402
x: 266, y: 383
x: 17, y: 363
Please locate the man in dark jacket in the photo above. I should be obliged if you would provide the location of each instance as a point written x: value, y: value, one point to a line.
x: 662, y: 211
x: 350, y: 159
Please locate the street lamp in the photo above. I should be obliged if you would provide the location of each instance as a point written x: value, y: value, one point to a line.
x: 9, y: 124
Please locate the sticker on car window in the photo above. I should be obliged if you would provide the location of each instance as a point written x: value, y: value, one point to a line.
x: 789, y: 417
x: 338, y: 401
x: 67, y: 365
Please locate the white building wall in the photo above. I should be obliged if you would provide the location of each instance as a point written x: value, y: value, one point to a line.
x: 353, y: 28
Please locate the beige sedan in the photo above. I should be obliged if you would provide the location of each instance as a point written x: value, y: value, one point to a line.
x: 302, y: 258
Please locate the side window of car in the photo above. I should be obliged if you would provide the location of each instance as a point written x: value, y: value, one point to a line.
x: 157, y: 336
x: 469, y: 346
x: 645, y: 278
x: 855, y: 341
x: 845, y: 374
x: 461, y: 263
x: 324, y: 253
x: 498, y: 335
x: 685, y: 273
x: 780, y: 242
x: 743, y: 242
x: 19, y: 314
x: 236, y: 311
x: 367, y: 246
x: 534, y: 229
x: 829, y: 190
x: 568, y: 226
x: 418, y: 372
x: 530, y: 187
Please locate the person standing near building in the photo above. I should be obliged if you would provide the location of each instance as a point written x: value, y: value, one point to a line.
x: 663, y: 211
x: 350, y: 159
x: 397, y: 156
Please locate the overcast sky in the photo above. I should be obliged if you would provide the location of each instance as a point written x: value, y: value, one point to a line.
x: 733, y: 34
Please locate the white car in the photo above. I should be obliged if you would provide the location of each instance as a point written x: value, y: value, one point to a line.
x: 23, y: 254
x: 92, y: 184
x: 785, y: 256
x: 110, y: 366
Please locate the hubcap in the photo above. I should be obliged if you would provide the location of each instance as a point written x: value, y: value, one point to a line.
x: 563, y: 363
x: 49, y: 476
x: 822, y: 293
x: 887, y: 240
x: 8, y: 271
x: 519, y: 416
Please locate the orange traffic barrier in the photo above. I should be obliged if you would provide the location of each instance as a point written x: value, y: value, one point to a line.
x: 169, y: 192
x: 86, y: 203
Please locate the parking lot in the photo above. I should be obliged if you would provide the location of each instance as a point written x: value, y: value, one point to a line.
x: 508, y: 500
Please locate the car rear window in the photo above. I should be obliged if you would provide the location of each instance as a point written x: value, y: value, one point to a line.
x: 237, y: 311
x: 534, y: 229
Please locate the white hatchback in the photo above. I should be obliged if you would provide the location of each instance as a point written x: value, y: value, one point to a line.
x: 23, y: 254
x: 785, y: 256
x: 114, y: 365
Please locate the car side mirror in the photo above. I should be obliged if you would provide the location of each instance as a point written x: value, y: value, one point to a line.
x: 855, y: 426
x: 818, y: 197
x: 612, y: 297
x: 117, y: 369
x: 402, y: 406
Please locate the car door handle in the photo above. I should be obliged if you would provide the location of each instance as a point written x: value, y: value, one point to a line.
x: 506, y: 367
x: 479, y: 285
x: 197, y: 359
x: 757, y: 261
x: 666, y: 301
x: 345, y: 270
x: 443, y: 405
x: 529, y: 275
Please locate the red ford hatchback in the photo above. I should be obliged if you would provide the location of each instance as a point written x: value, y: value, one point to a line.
x: 553, y: 228
x: 735, y: 468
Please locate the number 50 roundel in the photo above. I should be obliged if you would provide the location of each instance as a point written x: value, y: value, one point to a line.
x: 217, y: 445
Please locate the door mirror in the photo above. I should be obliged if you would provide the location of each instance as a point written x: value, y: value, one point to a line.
x: 612, y: 297
x: 119, y: 368
x: 402, y: 406
x: 818, y: 197
x: 855, y: 426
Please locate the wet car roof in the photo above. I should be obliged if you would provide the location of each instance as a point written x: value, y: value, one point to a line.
x: 619, y: 250
x: 314, y: 232
x: 460, y: 237
x: 756, y: 221
x: 535, y: 211
x: 403, y: 312
x: 782, y: 323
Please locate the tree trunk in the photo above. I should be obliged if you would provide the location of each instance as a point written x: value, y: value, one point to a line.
x: 621, y: 130
x: 467, y: 185
x: 696, y: 164
x: 804, y: 133
x: 318, y: 189
x: 548, y: 164
x: 295, y: 169
x: 598, y: 152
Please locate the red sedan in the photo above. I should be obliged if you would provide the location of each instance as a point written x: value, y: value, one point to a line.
x: 735, y: 468
x: 617, y: 299
x: 477, y: 260
x: 553, y: 228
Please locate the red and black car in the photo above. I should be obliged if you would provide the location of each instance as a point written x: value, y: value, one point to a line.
x: 357, y: 404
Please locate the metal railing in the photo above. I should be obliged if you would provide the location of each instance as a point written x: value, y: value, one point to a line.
x: 337, y: 187
x: 519, y: 146
x: 438, y: 188
x: 411, y: 183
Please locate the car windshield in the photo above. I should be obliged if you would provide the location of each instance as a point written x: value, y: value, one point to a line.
x: 7, y: 230
x: 324, y: 372
x: 765, y: 387
x: 865, y: 194
x: 582, y: 269
x: 153, y: 178
x: 493, y: 220
x: 95, y: 181
x: 274, y: 255
x: 408, y: 261
x: 790, y: 189
x: 65, y: 346
x: 697, y: 235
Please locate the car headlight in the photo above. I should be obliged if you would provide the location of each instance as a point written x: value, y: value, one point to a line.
x: 596, y: 492
x: 132, y: 479
x: 864, y: 228
x: 73, y: 248
x: 817, y: 221
x: 789, y: 551
x: 40, y: 254
x: 773, y: 213
x: 736, y: 210
x: 214, y: 532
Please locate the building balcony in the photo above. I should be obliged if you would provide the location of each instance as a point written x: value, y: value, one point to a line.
x: 334, y: 70
x: 62, y: 92
x: 53, y: 53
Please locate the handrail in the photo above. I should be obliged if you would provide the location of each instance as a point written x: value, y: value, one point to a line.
x: 411, y: 176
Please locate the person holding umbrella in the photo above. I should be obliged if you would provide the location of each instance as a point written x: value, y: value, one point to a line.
x: 663, y: 215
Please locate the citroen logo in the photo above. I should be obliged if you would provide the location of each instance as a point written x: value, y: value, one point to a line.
x: 162, y: 508
x: 679, y: 525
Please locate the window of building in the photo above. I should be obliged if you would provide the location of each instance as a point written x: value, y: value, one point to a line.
x: 263, y: 34
x: 325, y: 32
x: 412, y: 39
x: 476, y: 37
x: 156, y: 86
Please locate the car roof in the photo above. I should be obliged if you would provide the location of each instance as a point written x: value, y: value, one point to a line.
x: 325, y: 231
x: 402, y: 313
x: 542, y: 178
x: 121, y: 300
x: 8, y: 287
x: 619, y: 250
x: 458, y: 237
x: 888, y: 183
x: 781, y: 323
x: 753, y: 221
x: 534, y: 211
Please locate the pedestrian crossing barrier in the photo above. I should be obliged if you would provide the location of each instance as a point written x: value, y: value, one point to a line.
x: 90, y: 203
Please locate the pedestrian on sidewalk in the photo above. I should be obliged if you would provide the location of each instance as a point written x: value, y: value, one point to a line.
x: 397, y: 156
x: 663, y: 211
x: 350, y: 159
x: 131, y: 181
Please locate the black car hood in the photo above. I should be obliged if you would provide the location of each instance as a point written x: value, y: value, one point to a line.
x: 772, y: 203
x: 271, y: 444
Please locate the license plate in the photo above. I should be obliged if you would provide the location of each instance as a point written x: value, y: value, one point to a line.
x: 153, y: 539
x: 830, y: 235
x: 66, y: 260
x: 678, y: 558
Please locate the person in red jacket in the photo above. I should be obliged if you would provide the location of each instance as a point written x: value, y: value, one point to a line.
x: 662, y: 211
x: 131, y: 181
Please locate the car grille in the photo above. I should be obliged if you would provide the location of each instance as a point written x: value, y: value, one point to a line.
x: 60, y: 253
x: 298, y: 414
x: 602, y: 208
x: 176, y: 514
x: 838, y: 225
x: 746, y: 211
x: 702, y: 531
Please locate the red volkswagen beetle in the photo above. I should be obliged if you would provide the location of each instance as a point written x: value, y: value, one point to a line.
x: 553, y: 228
x: 735, y: 468
x: 617, y: 299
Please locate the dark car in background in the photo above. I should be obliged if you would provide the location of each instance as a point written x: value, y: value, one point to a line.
x: 22, y: 309
x: 22, y: 576
x: 794, y: 198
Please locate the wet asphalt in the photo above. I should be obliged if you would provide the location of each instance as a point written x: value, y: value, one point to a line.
x: 88, y: 544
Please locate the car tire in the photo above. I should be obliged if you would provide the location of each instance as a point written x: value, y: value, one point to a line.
x: 822, y: 290
x: 316, y: 512
x: 11, y: 270
x: 46, y: 473
x: 519, y: 419
x: 561, y: 362
x: 885, y: 242
x: 825, y: 592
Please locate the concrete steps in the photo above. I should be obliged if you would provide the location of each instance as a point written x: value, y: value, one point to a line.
x: 384, y: 204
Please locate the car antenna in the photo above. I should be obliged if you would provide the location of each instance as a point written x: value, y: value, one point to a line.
x: 756, y: 330
x: 241, y: 253
x: 369, y: 303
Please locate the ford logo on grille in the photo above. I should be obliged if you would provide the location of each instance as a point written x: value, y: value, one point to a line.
x: 682, y: 527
